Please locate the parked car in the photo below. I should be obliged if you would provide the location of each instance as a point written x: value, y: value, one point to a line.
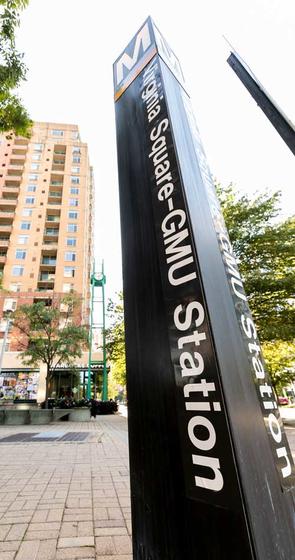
x: 283, y: 400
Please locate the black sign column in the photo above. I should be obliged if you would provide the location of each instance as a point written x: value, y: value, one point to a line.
x: 211, y: 469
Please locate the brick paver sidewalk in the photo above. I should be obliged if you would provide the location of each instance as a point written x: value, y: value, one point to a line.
x: 66, y: 500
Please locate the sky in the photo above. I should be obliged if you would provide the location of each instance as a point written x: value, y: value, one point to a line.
x: 70, y: 46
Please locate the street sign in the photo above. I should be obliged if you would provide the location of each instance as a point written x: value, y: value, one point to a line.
x: 208, y: 452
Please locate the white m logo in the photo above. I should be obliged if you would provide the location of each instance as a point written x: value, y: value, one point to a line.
x: 143, y: 38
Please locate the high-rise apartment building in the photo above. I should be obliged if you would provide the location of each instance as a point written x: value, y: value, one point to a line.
x: 46, y: 219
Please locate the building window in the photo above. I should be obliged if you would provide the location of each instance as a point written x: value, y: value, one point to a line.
x: 22, y: 239
x: 71, y: 241
x: 76, y: 159
x: 36, y: 157
x: 27, y: 212
x: 70, y: 256
x: 15, y: 287
x: 72, y: 228
x: 25, y: 225
x: 9, y: 304
x: 76, y: 150
x: 20, y: 254
x: 75, y: 135
x: 73, y: 215
x: 31, y: 188
x: 38, y: 147
x: 56, y: 132
x: 74, y: 190
x: 75, y: 169
x: 73, y: 202
x: 33, y: 177
x: 35, y: 166
x: 69, y: 271
x: 66, y: 288
x: 75, y: 180
x: 30, y: 200
x: 17, y: 270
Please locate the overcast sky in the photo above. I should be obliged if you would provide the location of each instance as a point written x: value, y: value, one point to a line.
x: 70, y: 46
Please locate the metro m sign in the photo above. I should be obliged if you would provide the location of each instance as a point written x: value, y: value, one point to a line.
x: 143, y: 47
x: 143, y: 39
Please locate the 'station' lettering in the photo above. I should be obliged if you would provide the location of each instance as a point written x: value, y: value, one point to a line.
x: 192, y: 365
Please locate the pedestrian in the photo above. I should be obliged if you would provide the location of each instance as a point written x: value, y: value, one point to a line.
x: 93, y: 408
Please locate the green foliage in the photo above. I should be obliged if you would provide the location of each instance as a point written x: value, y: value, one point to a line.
x: 115, y: 340
x: 45, y: 339
x: 265, y: 248
x: 13, y: 116
x: 280, y: 360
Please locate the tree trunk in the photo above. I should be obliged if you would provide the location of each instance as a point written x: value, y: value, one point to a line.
x: 46, y: 384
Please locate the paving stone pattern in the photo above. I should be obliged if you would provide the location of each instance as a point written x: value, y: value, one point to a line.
x: 41, y: 436
x: 65, y: 496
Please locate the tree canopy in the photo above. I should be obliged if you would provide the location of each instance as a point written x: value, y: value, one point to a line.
x: 13, y: 115
x: 50, y: 335
x: 265, y: 249
x: 115, y: 339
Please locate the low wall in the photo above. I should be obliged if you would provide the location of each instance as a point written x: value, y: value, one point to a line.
x: 13, y: 416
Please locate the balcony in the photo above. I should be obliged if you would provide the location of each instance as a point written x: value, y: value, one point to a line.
x: 15, y: 167
x: 6, y: 217
x: 4, y: 241
x: 56, y: 183
x: 10, y: 190
x: 59, y: 150
x: 57, y: 168
x: 20, y: 141
x: 15, y: 171
x: 52, y: 219
x: 19, y: 153
x: 55, y: 197
x: 46, y: 281
x: 49, y: 246
x: 48, y: 261
x: 2, y: 259
x: 5, y: 228
x: 12, y: 182
x: 8, y: 204
x: 51, y: 232
x: 17, y: 158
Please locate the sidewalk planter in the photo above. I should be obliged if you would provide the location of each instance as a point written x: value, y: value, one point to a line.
x: 16, y: 417
x: 60, y: 414
x: 23, y: 404
x: 41, y: 416
x: 79, y: 414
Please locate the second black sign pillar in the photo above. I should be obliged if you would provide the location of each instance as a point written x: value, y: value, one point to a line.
x: 211, y: 470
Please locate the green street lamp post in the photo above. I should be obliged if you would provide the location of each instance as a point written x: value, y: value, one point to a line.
x: 97, y: 280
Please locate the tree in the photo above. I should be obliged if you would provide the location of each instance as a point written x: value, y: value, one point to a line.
x: 265, y: 249
x: 13, y: 115
x: 50, y: 334
x: 280, y: 358
x: 115, y: 340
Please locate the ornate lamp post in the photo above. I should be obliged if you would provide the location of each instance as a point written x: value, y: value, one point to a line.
x: 97, y: 279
